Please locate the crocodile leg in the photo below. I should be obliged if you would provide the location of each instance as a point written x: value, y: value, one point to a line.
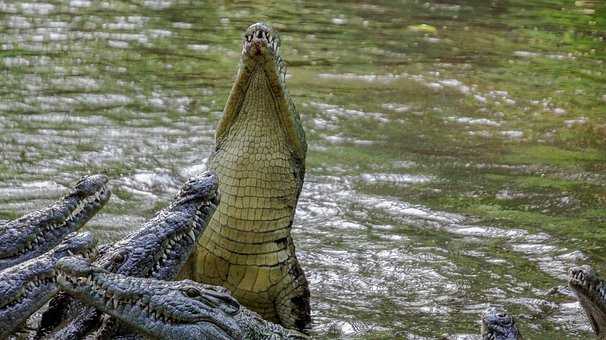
x: 292, y: 304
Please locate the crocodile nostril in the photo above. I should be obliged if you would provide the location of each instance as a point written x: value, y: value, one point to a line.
x: 260, y: 35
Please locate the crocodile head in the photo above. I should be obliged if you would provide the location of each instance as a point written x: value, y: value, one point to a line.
x: 161, y: 247
x: 262, y: 74
x: 39, y: 231
x: 591, y: 291
x: 25, y: 287
x: 498, y: 325
x: 158, y: 249
x: 161, y: 309
x: 199, y: 194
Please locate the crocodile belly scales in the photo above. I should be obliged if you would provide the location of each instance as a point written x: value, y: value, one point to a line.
x: 247, y: 246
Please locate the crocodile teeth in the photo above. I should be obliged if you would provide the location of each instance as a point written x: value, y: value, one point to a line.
x: 192, y: 235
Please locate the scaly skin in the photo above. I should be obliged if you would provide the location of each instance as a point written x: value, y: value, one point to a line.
x: 591, y: 291
x: 27, y: 286
x: 166, y: 309
x: 159, y: 249
x: 498, y: 325
x: 35, y: 233
x: 260, y: 159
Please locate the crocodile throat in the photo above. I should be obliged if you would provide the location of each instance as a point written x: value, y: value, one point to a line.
x: 260, y: 160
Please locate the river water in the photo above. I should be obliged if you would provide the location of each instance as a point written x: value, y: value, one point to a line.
x: 456, y: 148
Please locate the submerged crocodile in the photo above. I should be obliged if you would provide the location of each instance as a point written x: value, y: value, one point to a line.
x: 166, y: 309
x: 591, y: 292
x: 35, y: 233
x: 260, y: 160
x: 498, y: 325
x: 158, y: 249
x: 24, y: 288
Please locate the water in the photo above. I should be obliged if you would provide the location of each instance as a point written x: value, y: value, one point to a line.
x: 456, y: 152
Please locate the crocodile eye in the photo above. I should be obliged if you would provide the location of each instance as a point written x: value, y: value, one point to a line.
x: 118, y: 258
x: 192, y: 292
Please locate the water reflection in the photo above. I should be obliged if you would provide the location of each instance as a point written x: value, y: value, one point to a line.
x: 454, y: 148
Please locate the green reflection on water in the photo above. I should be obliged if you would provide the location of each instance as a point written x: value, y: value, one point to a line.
x: 502, y: 107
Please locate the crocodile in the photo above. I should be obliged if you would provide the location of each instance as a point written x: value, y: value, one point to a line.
x: 591, y: 292
x: 259, y: 157
x: 158, y: 249
x: 36, y: 232
x: 499, y: 325
x: 26, y: 287
x: 166, y: 309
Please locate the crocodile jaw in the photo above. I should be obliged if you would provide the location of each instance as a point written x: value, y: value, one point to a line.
x: 158, y: 249
x: 21, y: 294
x: 499, y: 325
x: 158, y: 308
x: 162, y: 246
x: 591, y: 291
x: 37, y: 232
x: 26, y: 287
x: 260, y: 54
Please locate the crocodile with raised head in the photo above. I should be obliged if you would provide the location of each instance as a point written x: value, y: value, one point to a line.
x: 591, y: 292
x: 498, y: 325
x: 26, y: 287
x: 35, y: 233
x: 158, y: 249
x: 260, y: 160
x: 166, y: 309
